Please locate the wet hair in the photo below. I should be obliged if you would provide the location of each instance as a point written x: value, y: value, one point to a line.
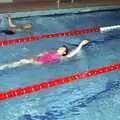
x: 8, y: 32
x: 67, y: 50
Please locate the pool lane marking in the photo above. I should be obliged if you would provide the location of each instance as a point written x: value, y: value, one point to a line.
x: 51, y: 35
x: 59, y: 34
x: 52, y: 83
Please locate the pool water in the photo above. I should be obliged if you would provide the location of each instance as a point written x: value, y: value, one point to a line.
x: 95, y: 98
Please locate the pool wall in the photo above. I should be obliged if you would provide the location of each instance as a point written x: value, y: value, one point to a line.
x: 63, y: 11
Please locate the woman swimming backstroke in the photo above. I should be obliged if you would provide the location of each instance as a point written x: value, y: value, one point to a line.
x: 48, y: 57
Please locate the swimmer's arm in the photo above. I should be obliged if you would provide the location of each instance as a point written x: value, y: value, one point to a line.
x: 75, y: 51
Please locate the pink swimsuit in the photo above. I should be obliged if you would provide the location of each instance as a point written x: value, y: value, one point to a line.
x: 49, y: 57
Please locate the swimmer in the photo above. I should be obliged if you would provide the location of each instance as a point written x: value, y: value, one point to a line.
x: 48, y: 57
x: 18, y: 28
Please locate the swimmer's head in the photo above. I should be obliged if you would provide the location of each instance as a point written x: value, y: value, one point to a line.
x: 63, y: 51
x: 9, y: 32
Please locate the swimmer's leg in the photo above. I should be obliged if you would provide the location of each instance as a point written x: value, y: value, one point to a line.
x: 17, y: 64
x: 30, y: 32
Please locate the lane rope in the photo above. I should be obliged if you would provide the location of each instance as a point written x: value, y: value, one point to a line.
x: 52, y: 35
x: 52, y: 83
x: 109, y: 28
x: 59, y: 34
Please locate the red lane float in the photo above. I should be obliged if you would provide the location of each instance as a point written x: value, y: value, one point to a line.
x: 44, y: 85
x: 62, y: 34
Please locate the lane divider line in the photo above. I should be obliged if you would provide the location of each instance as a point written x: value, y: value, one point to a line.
x: 51, y: 35
x: 52, y: 83
x: 59, y: 34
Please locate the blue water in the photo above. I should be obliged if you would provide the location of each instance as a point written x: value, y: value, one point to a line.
x: 95, y: 98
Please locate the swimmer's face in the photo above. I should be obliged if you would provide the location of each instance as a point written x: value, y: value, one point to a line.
x: 61, y: 51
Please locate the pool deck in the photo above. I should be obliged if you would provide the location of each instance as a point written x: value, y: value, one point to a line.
x: 49, y: 5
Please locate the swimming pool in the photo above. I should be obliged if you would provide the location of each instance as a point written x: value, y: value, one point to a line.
x: 92, y: 98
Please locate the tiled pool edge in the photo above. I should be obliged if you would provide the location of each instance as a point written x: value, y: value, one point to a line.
x: 63, y: 11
